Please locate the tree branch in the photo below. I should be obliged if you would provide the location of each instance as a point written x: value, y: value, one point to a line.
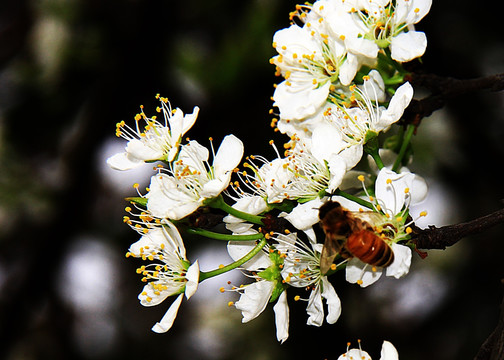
x: 443, y: 89
x: 493, y: 347
x: 440, y: 238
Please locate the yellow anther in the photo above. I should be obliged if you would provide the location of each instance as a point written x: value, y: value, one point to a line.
x: 221, y: 266
x: 297, y: 298
x: 359, y: 282
x: 342, y: 37
x: 389, y: 181
x: 333, y: 267
x: 409, y: 230
x: 231, y: 303
x: 361, y: 178
x: 406, y: 190
x: 222, y: 289
x: 423, y: 213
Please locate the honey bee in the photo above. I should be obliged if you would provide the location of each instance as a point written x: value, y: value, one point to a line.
x: 351, y: 236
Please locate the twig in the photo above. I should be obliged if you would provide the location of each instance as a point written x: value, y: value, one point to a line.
x: 440, y: 238
x: 493, y: 347
x: 443, y: 89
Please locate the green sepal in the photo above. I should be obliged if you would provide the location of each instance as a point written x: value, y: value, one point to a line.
x: 137, y: 200
x: 277, y: 290
x: 371, y: 141
x: 273, y: 273
x: 286, y: 205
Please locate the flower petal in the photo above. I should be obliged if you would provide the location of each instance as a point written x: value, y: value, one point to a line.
x: 254, y: 299
x: 305, y: 215
x: 167, y: 321
x: 362, y: 273
x: 395, y: 110
x: 315, y: 308
x: 408, y: 46
x: 238, y: 249
x: 192, y: 276
x: 228, y: 156
x: 402, y: 261
x: 122, y: 161
x: 281, y: 310
x: 388, y: 351
x: 332, y: 300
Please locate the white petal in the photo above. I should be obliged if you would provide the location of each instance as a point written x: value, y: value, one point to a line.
x: 165, y: 200
x: 238, y: 249
x: 121, y: 161
x: 228, y: 156
x: 348, y: 69
x: 250, y: 204
x: 392, y: 195
x: 360, y: 272
x: 352, y: 155
x: 418, y: 189
x: 395, y: 110
x: 214, y: 187
x: 151, y: 297
x: 241, y: 228
x: 332, y: 300
x: 254, y: 299
x: 180, y: 124
x: 402, y: 261
x: 388, y: 352
x: 153, y: 240
x: 167, y: 321
x: 305, y: 215
x: 173, y: 236
x: 362, y: 46
x: 301, y: 99
x: 326, y: 141
x: 192, y: 276
x: 374, y: 88
x: 337, y: 170
x: 138, y: 150
x: 355, y: 354
x: 315, y: 308
x: 281, y: 310
x: 408, y: 46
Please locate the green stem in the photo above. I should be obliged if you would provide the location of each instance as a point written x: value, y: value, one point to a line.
x: 225, y: 237
x: 208, y: 274
x: 219, y: 203
x: 372, y: 147
x: 376, y: 157
x: 354, y: 198
x: 404, y: 146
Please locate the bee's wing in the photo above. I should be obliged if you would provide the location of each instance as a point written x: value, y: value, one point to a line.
x: 364, y: 219
x: 332, y: 247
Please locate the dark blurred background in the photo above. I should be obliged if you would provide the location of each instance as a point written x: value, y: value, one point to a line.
x: 71, y: 69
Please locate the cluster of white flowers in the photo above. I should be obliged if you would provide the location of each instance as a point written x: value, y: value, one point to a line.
x: 343, y: 87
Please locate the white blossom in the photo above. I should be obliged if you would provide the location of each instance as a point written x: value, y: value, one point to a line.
x: 156, y: 141
x: 393, y: 195
x: 254, y: 297
x: 168, y: 274
x: 190, y: 180
x: 353, y: 126
x: 368, y: 26
x: 388, y: 352
x: 302, y: 269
